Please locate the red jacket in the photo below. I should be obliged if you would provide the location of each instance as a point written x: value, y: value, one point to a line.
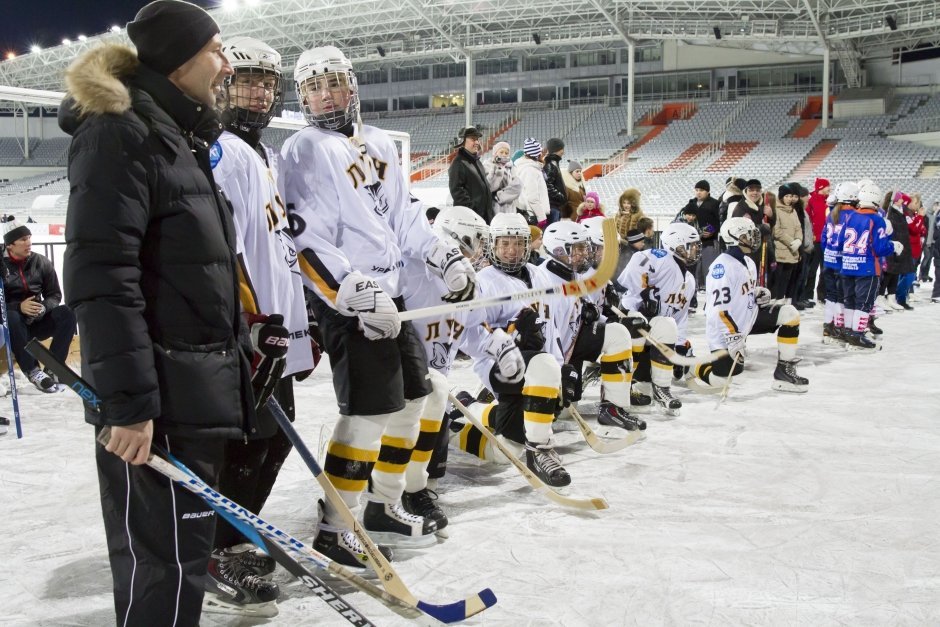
x: 918, y: 230
x: 593, y: 213
x: 817, y: 211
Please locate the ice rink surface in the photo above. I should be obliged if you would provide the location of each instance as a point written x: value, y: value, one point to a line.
x: 775, y: 509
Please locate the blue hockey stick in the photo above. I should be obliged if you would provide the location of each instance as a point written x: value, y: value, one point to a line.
x: 6, y: 337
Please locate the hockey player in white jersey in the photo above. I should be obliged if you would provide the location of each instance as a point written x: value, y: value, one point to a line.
x: 354, y: 223
x: 660, y: 287
x: 270, y: 290
x: 736, y: 307
x: 516, y: 355
x: 441, y: 335
x: 581, y: 333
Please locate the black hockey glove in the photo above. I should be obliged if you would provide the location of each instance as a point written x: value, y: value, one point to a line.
x: 589, y: 312
x: 570, y: 384
x: 529, y: 330
x: 679, y: 372
x: 635, y: 324
x: 650, y: 305
x: 270, y: 340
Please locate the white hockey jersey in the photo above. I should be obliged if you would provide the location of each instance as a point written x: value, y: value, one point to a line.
x: 269, y: 276
x: 672, y: 285
x: 565, y: 313
x: 730, y: 302
x: 494, y: 282
x: 349, y: 210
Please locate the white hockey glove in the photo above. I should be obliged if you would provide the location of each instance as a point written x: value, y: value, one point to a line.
x: 361, y: 296
x: 898, y: 247
x: 456, y: 270
x: 737, y: 347
x: 509, y: 363
x: 889, y: 229
x: 795, y: 245
x: 761, y: 296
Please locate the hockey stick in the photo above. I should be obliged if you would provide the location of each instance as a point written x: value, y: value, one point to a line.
x: 724, y: 390
x: 6, y: 337
x: 288, y: 551
x: 599, y: 445
x: 681, y: 360
x: 539, y: 485
x: 450, y: 613
x: 693, y: 384
x: 575, y: 287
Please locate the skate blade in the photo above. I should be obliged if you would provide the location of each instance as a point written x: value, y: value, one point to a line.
x: 862, y: 349
x: 211, y: 604
x: 640, y: 409
x: 783, y: 386
x: 398, y: 541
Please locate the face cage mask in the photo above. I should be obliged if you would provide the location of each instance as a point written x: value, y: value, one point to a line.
x: 509, y: 268
x: 246, y: 118
x: 585, y: 262
x: 690, y: 253
x: 338, y: 118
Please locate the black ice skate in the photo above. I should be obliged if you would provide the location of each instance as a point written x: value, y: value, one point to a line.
x: 858, y: 342
x: 390, y: 524
x: 42, y: 381
x: 341, y: 545
x: 254, y: 560
x: 423, y: 503
x: 663, y: 397
x: 231, y: 588
x: 830, y: 334
x: 640, y: 403
x: 610, y: 415
x: 787, y: 380
x: 875, y: 329
x: 545, y: 463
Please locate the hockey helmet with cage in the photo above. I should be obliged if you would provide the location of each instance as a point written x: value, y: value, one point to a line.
x: 326, y: 70
x: 465, y: 228
x: 257, y: 66
x: 595, y: 227
x: 508, y: 242
x: 869, y: 195
x: 741, y: 232
x: 683, y: 241
x: 847, y: 193
x: 569, y: 244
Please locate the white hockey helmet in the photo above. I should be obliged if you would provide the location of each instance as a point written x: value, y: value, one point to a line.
x: 741, y: 232
x: 595, y: 227
x: 463, y: 227
x: 869, y: 195
x: 257, y: 65
x: 569, y: 244
x: 327, y: 71
x: 508, y: 242
x: 683, y: 241
x: 847, y: 193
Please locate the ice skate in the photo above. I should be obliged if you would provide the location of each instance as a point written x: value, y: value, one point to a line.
x: 342, y: 546
x: 545, y: 463
x: 857, y: 342
x: 254, y: 560
x: 231, y: 588
x: 663, y: 397
x: 392, y: 525
x: 42, y: 381
x: 423, y: 503
x: 640, y: 403
x: 787, y: 380
x: 610, y: 415
x: 875, y: 329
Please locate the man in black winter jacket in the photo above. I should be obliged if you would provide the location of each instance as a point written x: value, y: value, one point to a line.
x: 469, y: 186
x: 34, y: 304
x: 151, y: 273
x: 557, y: 192
x: 707, y: 212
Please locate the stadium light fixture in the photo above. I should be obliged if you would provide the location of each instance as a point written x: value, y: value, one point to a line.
x: 537, y: 39
x: 717, y: 32
x: 380, y: 50
x: 35, y: 48
x: 892, y: 22
x: 11, y: 55
x: 66, y: 42
x: 115, y: 29
x: 82, y: 38
x: 229, y: 5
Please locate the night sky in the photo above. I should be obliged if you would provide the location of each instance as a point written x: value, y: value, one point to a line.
x: 48, y: 22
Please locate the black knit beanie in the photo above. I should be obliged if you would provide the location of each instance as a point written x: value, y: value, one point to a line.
x: 168, y: 33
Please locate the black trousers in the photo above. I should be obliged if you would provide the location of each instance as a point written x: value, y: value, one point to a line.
x: 251, y: 468
x: 780, y: 278
x: 159, y: 533
x: 58, y: 323
x: 811, y: 285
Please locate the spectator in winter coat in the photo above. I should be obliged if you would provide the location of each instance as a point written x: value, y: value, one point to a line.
x: 574, y: 182
x: 707, y: 213
x: 629, y: 213
x: 591, y: 207
x: 788, y: 239
x: 817, y: 210
x: 914, y: 215
x: 34, y: 304
x: 901, y: 264
x: 502, y: 179
x: 467, y: 179
x: 935, y: 249
x: 533, y: 200
x: 756, y: 208
x: 930, y: 220
x: 554, y: 182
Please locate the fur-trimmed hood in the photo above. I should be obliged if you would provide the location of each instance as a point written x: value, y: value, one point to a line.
x: 96, y: 81
x: 633, y: 195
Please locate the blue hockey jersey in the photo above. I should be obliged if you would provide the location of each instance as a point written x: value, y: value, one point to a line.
x: 832, y: 251
x: 862, y: 240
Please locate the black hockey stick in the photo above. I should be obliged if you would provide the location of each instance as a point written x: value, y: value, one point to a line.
x: 289, y: 552
x: 450, y: 613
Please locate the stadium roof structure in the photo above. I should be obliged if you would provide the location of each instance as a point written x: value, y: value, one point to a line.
x: 405, y: 32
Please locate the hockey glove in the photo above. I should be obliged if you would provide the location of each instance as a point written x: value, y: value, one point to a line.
x: 570, y: 384
x: 761, y: 296
x: 650, y: 305
x: 510, y: 366
x: 361, y: 296
x: 679, y: 372
x: 270, y: 340
x: 898, y: 247
x: 528, y: 329
x: 635, y: 322
x: 589, y: 312
x: 737, y: 346
x: 456, y: 270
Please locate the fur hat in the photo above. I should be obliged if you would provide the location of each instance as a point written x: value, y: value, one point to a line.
x: 168, y: 33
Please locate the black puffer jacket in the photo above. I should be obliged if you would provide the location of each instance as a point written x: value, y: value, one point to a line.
x: 149, y: 264
x: 33, y: 276
x: 469, y: 186
x: 557, y: 193
x: 903, y: 263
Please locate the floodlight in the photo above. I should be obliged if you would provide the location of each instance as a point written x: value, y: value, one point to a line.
x: 892, y: 23
x: 66, y: 42
x: 82, y: 38
x: 380, y: 50
x: 537, y: 39
x: 34, y: 48
x: 115, y: 29
x: 717, y: 32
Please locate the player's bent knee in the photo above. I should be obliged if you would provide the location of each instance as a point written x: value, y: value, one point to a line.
x: 543, y: 370
x: 664, y: 330
x: 788, y: 315
x: 616, y: 339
